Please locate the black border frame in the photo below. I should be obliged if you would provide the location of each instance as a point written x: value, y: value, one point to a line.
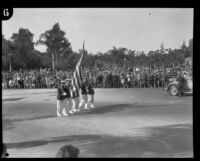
x: 138, y: 4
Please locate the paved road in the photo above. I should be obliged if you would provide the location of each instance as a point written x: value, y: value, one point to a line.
x: 125, y: 123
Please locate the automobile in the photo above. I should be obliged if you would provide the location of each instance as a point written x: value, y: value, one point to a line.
x: 171, y: 87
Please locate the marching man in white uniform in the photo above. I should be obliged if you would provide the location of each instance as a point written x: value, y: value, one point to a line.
x: 83, y: 102
x: 90, y: 92
x: 61, y: 95
x: 75, y: 99
x: 67, y: 97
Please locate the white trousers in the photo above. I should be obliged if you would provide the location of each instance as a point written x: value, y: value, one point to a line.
x: 90, y: 102
x: 67, y: 104
x: 61, y: 107
x: 83, y: 102
x: 75, y: 103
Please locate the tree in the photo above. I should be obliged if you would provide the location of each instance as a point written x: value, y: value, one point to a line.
x: 7, y: 53
x: 56, y: 43
x: 162, y: 46
x: 183, y: 46
x: 150, y: 53
x: 4, y: 52
x: 113, y: 52
x: 190, y: 47
x: 22, y: 43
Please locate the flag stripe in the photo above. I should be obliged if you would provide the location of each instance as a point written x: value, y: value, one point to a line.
x: 75, y: 90
x: 78, y: 75
x: 78, y: 83
x: 80, y: 71
x: 77, y: 79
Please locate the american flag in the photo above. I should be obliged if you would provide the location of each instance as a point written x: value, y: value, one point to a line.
x: 77, y: 78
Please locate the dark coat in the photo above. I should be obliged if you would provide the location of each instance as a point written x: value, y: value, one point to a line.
x: 90, y: 90
x: 60, y: 95
x: 180, y: 79
x: 67, y: 91
x: 84, y: 90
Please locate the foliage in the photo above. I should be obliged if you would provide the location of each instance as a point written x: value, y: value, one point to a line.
x: 56, y: 44
x: 18, y: 52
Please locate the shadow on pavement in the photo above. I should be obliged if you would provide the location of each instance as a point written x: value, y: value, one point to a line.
x: 163, y: 141
x: 12, y: 99
x: 35, y: 143
x: 7, y: 124
x: 116, y: 108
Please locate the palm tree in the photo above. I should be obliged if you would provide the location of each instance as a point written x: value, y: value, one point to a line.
x: 55, y: 42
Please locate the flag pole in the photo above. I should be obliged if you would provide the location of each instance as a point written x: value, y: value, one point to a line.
x: 83, y: 45
x: 82, y: 53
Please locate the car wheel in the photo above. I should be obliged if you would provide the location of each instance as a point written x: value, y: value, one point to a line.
x: 173, y: 90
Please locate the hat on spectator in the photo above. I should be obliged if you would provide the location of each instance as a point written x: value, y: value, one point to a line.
x: 68, y: 151
x: 137, y: 69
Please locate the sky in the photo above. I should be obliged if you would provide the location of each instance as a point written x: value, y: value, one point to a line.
x: 140, y: 29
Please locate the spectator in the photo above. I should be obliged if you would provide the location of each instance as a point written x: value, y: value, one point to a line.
x: 181, y: 81
x: 105, y: 80
x: 100, y: 77
x: 129, y: 80
x: 4, y: 152
x: 68, y: 151
x: 122, y: 81
x: 139, y: 83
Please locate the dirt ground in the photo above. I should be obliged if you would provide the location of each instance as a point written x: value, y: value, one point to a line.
x: 138, y: 123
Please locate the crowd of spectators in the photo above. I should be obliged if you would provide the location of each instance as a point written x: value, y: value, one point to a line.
x: 135, y: 78
x: 43, y: 78
x: 100, y: 77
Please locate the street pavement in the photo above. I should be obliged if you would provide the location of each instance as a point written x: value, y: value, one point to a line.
x: 136, y: 123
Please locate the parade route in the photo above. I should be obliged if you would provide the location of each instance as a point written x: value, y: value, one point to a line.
x: 137, y: 123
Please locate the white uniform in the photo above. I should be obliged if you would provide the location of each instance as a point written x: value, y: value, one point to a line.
x: 67, y: 104
x: 67, y: 100
x: 61, y: 102
x: 84, y: 99
x: 61, y: 107
x: 83, y: 102
x: 74, y: 100
x: 90, y: 102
